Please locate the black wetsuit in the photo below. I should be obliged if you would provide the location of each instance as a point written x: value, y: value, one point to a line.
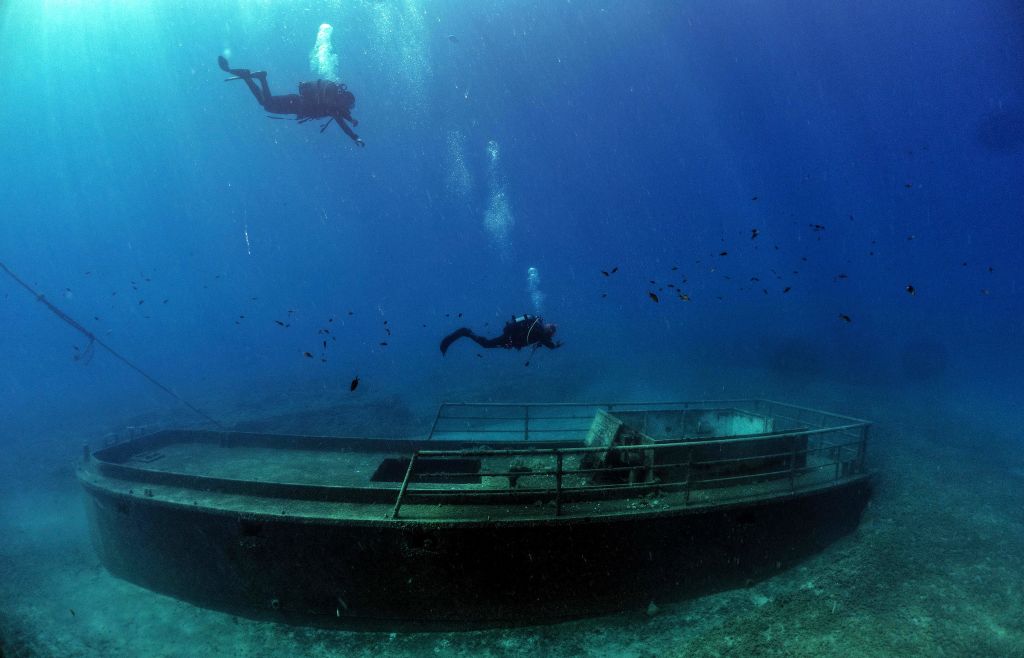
x: 518, y: 333
x: 320, y: 99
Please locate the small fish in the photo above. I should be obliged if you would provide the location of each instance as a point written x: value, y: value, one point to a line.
x: 241, y: 317
x: 753, y: 198
x: 141, y: 302
x: 308, y: 355
x: 652, y: 282
x: 291, y: 311
x: 351, y: 313
x: 786, y: 289
x: 603, y: 295
x: 279, y: 323
x: 840, y: 276
x: 72, y: 611
x: 615, y: 269
x: 755, y: 279
x: 479, y: 355
x: 817, y: 227
x: 845, y: 318
x: 384, y: 343
x: 325, y: 344
x: 675, y: 269
x: 165, y: 301
x: 754, y: 233
x: 908, y: 185
x: 460, y: 315
x: 604, y: 272
x: 723, y: 253
x: 96, y: 317
x: 453, y: 38
x: 684, y: 297
x: 653, y: 297
x: 354, y: 384
x: 911, y: 289
x: 910, y: 237
x: 991, y: 269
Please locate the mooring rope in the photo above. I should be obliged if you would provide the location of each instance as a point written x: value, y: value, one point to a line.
x: 94, y: 340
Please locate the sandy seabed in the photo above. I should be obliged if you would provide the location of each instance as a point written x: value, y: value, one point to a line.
x: 933, y: 569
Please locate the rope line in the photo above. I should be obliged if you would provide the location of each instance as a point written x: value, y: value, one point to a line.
x: 94, y: 340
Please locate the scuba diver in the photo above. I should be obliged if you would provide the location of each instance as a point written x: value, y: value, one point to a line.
x: 519, y: 332
x: 321, y: 99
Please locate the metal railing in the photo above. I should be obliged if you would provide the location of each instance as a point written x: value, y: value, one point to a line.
x: 815, y: 448
x: 508, y: 421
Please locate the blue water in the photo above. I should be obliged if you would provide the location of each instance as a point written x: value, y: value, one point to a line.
x: 569, y: 137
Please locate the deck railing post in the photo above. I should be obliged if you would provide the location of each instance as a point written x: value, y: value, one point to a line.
x: 558, y: 482
x: 405, y: 485
x: 437, y: 419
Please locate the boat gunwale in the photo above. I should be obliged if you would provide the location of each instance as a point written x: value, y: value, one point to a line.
x: 496, y: 520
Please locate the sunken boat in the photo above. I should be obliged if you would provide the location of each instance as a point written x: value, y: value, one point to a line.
x: 503, y: 513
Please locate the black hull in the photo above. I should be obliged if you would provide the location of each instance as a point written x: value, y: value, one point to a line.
x: 356, y: 573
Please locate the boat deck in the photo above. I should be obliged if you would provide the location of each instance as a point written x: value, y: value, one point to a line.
x: 688, y: 456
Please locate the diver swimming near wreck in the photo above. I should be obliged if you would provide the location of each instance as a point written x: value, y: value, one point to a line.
x: 518, y: 333
x: 319, y: 99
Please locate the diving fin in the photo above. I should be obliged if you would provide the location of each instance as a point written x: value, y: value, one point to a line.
x: 240, y: 74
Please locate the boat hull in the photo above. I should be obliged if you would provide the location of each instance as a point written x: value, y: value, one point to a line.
x: 330, y: 571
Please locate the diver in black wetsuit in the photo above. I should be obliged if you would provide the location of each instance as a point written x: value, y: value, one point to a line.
x: 321, y: 99
x: 518, y: 333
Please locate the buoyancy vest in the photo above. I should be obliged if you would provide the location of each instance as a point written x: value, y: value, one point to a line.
x: 322, y: 98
